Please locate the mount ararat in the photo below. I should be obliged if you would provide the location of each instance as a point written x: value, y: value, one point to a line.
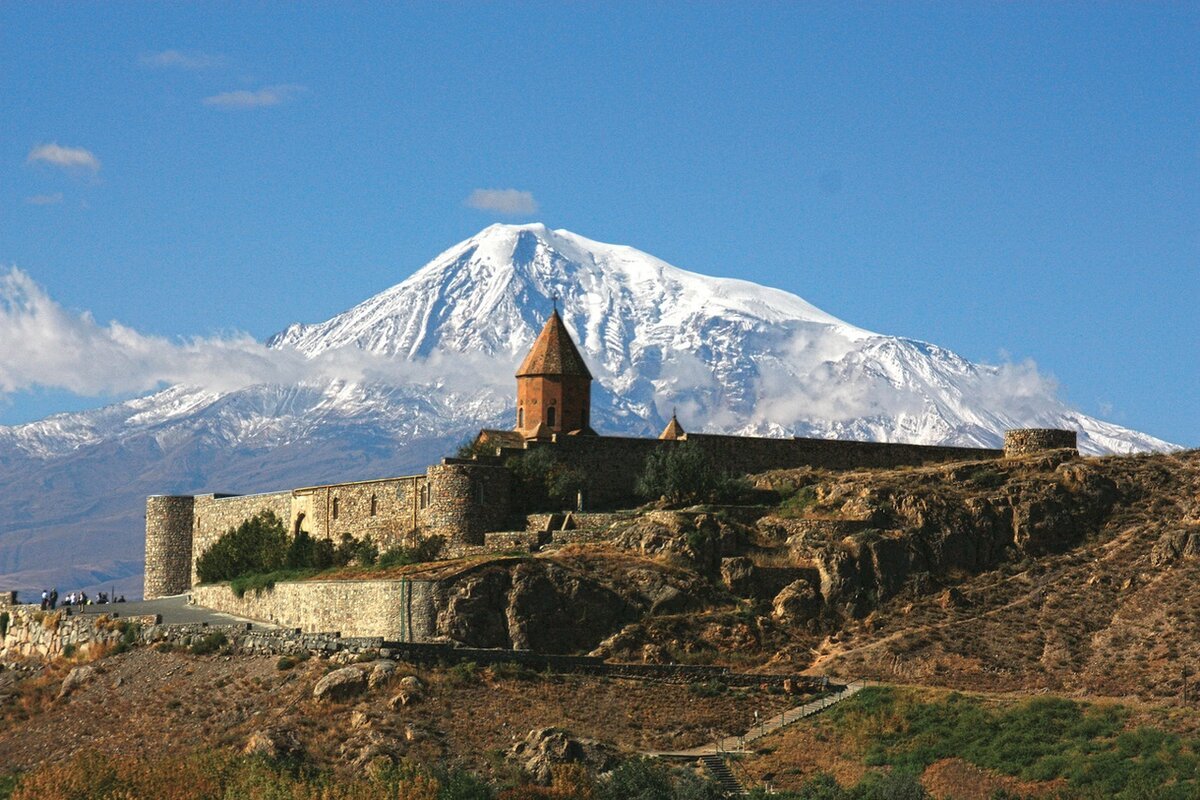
x: 404, y: 377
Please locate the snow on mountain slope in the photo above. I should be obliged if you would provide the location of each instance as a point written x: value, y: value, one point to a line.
x: 439, y: 351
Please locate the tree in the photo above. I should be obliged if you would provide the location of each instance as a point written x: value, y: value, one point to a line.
x: 260, y: 544
x: 685, y: 473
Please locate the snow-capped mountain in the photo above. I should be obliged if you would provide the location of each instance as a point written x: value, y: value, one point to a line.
x: 405, y: 376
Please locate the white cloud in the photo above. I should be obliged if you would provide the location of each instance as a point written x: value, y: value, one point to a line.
x: 503, y: 201
x: 45, y: 199
x: 245, y: 98
x: 74, y: 158
x: 48, y: 346
x: 179, y: 59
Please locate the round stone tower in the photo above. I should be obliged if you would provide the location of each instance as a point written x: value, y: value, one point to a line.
x: 168, y: 545
x: 1025, y: 441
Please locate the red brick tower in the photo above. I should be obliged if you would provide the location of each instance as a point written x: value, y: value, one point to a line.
x: 554, y: 387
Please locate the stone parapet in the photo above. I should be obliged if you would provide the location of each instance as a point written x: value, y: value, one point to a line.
x: 1026, y: 441
x: 33, y: 633
x: 8, y: 599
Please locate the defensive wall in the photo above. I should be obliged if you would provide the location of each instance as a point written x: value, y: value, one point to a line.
x: 461, y: 500
x: 611, y: 464
x: 397, y: 610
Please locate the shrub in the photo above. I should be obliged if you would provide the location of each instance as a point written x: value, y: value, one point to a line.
x: 258, y: 545
x: 4, y: 618
x: 265, y: 581
x: 687, y: 474
x: 427, y: 549
x: 463, y: 673
x: 510, y: 670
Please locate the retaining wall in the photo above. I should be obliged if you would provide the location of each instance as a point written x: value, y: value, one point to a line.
x: 395, y: 609
x: 33, y: 633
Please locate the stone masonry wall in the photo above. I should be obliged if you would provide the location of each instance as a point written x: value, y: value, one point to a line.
x: 1025, y: 441
x: 612, y: 464
x: 216, y: 514
x: 465, y: 500
x: 397, y: 610
x: 33, y: 633
x: 169, y: 525
x: 386, y: 510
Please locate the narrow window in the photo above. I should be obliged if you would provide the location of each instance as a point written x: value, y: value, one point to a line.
x: 374, y: 505
x: 521, y: 417
x: 551, y: 415
x: 479, y: 493
x: 335, y: 508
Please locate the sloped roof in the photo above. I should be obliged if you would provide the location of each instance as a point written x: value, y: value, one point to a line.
x: 554, y: 353
x: 673, y: 430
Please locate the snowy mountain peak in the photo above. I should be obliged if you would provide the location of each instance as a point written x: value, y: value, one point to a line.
x: 507, y: 275
x: 440, y: 350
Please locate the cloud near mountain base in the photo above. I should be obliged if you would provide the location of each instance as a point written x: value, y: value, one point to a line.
x: 47, y: 346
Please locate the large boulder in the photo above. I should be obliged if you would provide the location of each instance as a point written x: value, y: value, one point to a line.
x: 273, y: 743
x: 544, y: 748
x: 76, y: 678
x: 798, y: 602
x: 411, y: 691
x: 341, y: 684
x: 1176, y: 544
x: 738, y: 575
x: 381, y: 673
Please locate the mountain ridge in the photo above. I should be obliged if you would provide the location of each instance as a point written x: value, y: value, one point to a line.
x: 731, y: 356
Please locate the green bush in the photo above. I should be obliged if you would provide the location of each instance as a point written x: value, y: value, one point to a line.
x: 463, y: 673
x: 258, y: 545
x: 643, y: 779
x: 687, y: 474
x: 265, y: 581
x: 427, y: 549
x: 259, y: 552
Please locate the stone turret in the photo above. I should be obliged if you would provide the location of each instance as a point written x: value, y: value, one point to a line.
x: 169, y: 521
x: 1025, y: 441
x: 554, y: 386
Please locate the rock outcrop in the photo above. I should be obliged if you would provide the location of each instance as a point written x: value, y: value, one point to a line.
x: 341, y: 684
x: 545, y: 748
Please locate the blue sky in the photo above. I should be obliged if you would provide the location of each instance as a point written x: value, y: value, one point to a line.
x: 1009, y: 181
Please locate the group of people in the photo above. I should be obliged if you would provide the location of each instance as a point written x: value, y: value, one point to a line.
x: 77, y: 599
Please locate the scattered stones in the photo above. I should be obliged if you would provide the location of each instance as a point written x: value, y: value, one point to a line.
x: 76, y: 678
x: 341, y: 684
x: 411, y: 691
x: 273, y: 743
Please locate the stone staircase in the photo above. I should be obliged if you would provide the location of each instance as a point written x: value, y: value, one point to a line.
x: 715, y: 756
x: 718, y: 769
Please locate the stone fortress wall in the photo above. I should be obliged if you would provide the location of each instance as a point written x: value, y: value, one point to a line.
x: 461, y: 500
x: 1025, y: 441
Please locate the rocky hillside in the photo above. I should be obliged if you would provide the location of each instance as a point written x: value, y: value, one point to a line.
x: 1044, y: 572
